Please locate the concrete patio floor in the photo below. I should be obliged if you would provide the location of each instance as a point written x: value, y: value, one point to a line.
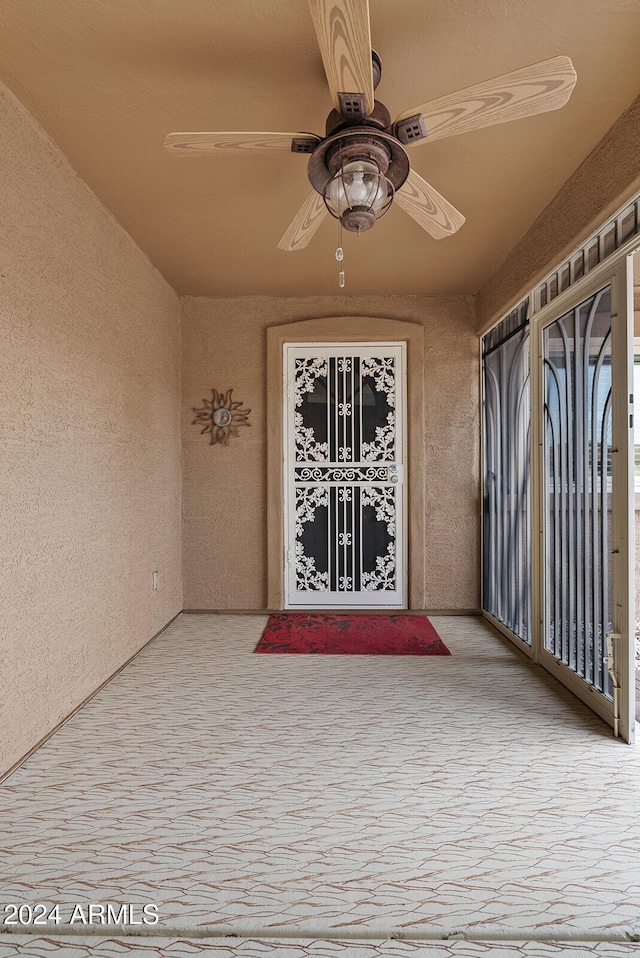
x: 325, y: 805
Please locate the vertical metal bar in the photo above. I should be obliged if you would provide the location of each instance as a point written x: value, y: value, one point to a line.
x: 598, y: 508
x: 573, y: 432
x: 488, y: 498
x: 494, y: 607
x: 336, y: 532
x: 331, y: 431
x: 361, y: 530
x: 595, y: 551
x: 486, y: 530
x: 556, y: 483
x: 553, y: 539
x: 553, y: 638
x: 500, y: 514
x: 523, y: 429
x: 499, y: 485
x: 343, y: 528
x: 353, y: 542
x: 578, y: 420
x: 361, y: 403
x: 518, y: 473
x: 336, y: 400
x: 510, y: 491
x: 605, y: 548
x: 589, y: 390
x: 352, y: 399
x: 557, y: 477
x: 339, y: 437
x: 551, y: 496
x: 566, y: 530
x: 550, y: 571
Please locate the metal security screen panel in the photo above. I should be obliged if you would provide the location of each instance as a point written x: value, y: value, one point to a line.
x: 506, y: 484
x: 578, y: 488
x: 344, y: 458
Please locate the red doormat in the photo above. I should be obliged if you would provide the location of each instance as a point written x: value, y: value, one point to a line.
x: 321, y: 633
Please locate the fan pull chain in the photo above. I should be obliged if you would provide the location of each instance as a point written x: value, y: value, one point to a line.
x: 339, y: 258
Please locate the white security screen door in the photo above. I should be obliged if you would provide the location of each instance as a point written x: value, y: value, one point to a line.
x: 344, y: 475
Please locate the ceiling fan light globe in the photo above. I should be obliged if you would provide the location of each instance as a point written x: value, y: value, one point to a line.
x: 335, y: 196
x: 358, y: 186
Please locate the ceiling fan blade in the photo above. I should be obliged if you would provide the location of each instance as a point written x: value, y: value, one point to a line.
x: 241, y: 142
x: 344, y: 37
x: 430, y: 210
x: 304, y: 224
x: 534, y: 89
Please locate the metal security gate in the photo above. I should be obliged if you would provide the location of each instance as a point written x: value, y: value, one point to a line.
x: 585, y: 469
x: 506, y: 512
x: 344, y: 475
x: 578, y: 465
x: 558, y: 556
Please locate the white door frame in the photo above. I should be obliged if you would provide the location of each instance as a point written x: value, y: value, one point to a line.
x: 374, y: 599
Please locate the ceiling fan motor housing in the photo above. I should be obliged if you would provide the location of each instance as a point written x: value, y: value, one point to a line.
x: 379, y: 118
x: 358, y: 148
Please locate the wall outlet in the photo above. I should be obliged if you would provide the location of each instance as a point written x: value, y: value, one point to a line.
x: 156, y: 578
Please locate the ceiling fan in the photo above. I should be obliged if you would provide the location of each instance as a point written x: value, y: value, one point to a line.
x: 361, y: 165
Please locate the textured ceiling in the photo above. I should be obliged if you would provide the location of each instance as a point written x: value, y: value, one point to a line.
x: 109, y: 78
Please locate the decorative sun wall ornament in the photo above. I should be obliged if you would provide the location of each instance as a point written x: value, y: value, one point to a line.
x: 221, y: 417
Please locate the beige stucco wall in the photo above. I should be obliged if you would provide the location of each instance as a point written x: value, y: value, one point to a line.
x: 225, y: 488
x: 600, y: 185
x: 90, y: 469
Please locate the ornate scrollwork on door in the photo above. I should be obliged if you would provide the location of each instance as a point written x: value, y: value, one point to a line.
x: 308, y: 500
x: 341, y: 473
x: 383, y: 501
x: 383, y: 578
x: 309, y: 373
x: 382, y: 371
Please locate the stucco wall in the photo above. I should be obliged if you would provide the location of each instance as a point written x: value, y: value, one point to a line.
x: 599, y: 186
x: 225, y: 488
x: 90, y: 470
